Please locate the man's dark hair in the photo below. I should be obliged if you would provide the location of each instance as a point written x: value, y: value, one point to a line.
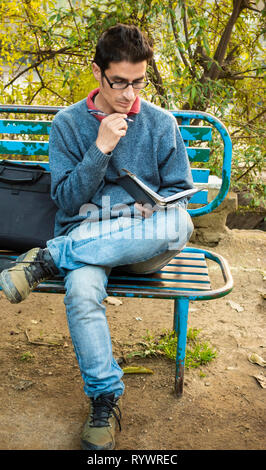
x: 122, y: 42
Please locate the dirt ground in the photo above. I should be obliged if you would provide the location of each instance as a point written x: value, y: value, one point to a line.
x: 42, y: 403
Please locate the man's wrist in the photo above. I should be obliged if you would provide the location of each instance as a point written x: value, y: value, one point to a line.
x: 103, y: 148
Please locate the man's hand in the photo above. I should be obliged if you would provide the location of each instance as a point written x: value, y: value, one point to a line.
x: 112, y: 128
x: 146, y: 210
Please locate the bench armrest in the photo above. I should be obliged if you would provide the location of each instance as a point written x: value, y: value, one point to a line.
x: 227, y: 158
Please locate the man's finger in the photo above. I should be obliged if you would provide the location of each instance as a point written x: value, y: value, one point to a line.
x: 146, y: 211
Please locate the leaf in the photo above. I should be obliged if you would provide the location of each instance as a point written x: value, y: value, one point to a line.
x: 206, y: 45
x: 256, y: 359
x: 137, y: 370
x: 52, y: 17
x: 261, y: 380
x: 235, y: 306
x: 193, y: 92
x: 23, y: 385
x: 113, y: 301
x: 66, y: 78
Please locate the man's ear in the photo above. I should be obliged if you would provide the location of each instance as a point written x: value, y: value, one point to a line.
x: 96, y: 72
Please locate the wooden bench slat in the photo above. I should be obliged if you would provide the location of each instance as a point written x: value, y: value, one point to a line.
x: 197, y: 154
x: 188, y: 255
x: 187, y: 262
x: 185, y: 269
x: 203, y: 133
x: 159, y: 285
x: 171, y: 277
x: 19, y: 147
x: 53, y: 287
x: 200, y: 175
x: 36, y: 127
x: 11, y: 126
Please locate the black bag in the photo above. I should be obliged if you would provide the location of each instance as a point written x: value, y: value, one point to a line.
x: 27, y: 212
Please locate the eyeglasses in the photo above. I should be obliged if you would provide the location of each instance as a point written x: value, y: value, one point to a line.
x: 138, y: 85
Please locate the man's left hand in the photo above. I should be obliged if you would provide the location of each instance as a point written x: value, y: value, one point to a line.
x: 146, y: 211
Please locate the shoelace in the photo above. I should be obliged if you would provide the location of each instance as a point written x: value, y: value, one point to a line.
x: 35, y: 274
x: 102, y: 408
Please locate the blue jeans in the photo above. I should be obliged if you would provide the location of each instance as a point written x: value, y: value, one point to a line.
x: 86, y: 257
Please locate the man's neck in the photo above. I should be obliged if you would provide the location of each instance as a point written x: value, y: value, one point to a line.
x: 102, y: 105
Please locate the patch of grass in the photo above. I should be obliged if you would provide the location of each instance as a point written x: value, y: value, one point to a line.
x: 198, y: 353
x: 26, y: 356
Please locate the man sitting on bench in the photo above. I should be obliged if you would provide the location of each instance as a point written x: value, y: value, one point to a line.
x: 98, y: 224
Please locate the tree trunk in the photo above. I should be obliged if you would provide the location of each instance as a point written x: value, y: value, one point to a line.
x: 214, y: 72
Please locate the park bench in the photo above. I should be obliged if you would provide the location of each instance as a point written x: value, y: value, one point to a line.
x: 186, y: 278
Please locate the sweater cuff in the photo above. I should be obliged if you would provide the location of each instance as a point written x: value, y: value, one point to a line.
x: 98, y: 156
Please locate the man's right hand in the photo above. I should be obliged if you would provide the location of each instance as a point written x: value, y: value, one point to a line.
x: 112, y: 128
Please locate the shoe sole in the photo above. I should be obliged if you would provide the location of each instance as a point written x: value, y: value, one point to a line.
x: 11, y: 293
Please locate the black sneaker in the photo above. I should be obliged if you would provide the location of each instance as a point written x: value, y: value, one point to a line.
x: 99, y: 429
x: 29, y: 270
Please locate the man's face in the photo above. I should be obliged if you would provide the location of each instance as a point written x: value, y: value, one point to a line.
x: 111, y: 100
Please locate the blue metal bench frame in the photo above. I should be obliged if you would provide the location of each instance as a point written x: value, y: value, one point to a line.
x: 185, y: 278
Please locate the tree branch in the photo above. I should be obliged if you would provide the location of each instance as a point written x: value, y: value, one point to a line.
x: 186, y: 29
x: 182, y: 55
x: 36, y: 64
x: 57, y: 94
x: 218, y: 58
x: 248, y: 70
x: 158, y: 82
x: 247, y: 171
x: 73, y: 14
x: 253, y: 9
x: 233, y: 77
x: 249, y: 122
x: 36, y: 93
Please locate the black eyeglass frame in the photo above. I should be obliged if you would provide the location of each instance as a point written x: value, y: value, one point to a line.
x: 111, y: 84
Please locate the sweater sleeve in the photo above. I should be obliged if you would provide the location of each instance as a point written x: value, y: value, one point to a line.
x: 174, y: 167
x: 75, y: 177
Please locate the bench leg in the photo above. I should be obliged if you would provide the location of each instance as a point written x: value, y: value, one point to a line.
x: 180, y: 327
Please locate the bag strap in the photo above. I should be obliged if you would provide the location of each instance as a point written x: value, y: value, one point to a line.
x: 32, y: 179
x: 20, y: 166
x: 35, y: 173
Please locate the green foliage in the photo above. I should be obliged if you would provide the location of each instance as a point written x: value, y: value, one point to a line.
x: 197, y: 353
x: 208, y: 56
x: 26, y: 356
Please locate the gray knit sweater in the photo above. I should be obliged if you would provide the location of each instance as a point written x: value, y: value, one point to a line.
x: 83, y: 178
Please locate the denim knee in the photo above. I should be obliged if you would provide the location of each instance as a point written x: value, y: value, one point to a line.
x: 179, y: 226
x: 190, y: 226
x: 86, y: 284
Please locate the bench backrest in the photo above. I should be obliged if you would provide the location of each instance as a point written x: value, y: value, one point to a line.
x: 192, y: 124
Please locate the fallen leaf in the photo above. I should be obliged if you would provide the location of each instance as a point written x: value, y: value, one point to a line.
x: 235, y: 306
x: 23, y: 385
x: 137, y: 370
x: 256, y: 359
x: 113, y: 301
x: 261, y: 380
